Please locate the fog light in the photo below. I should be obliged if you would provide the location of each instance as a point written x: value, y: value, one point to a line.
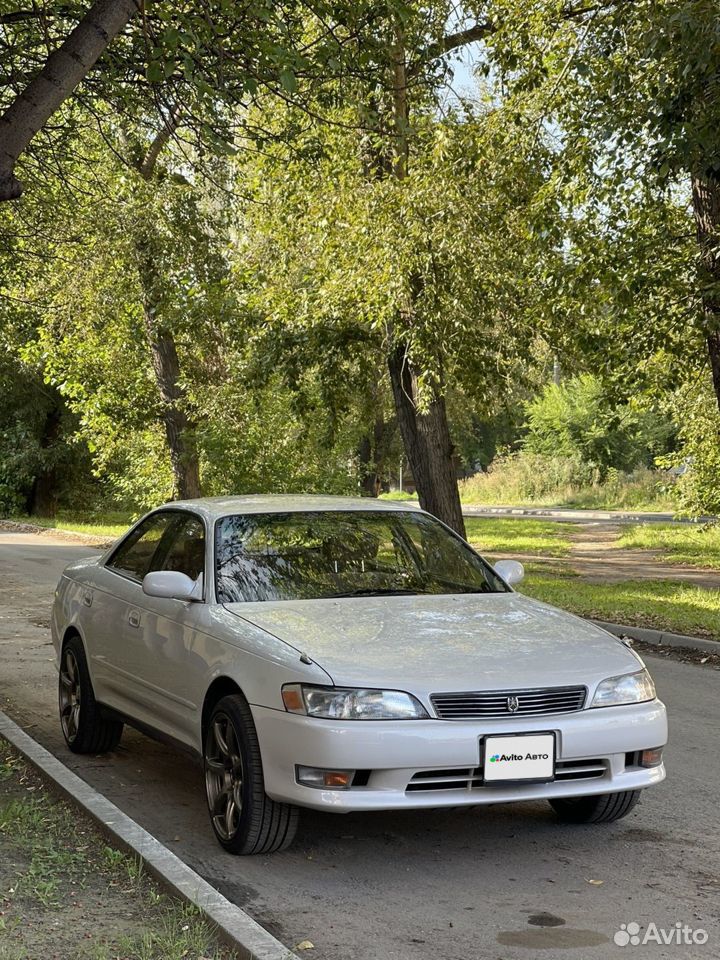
x: 651, y: 758
x: 324, y: 779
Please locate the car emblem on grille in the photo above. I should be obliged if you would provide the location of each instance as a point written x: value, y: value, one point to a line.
x: 512, y: 704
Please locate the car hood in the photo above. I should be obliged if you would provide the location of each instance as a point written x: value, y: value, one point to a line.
x: 433, y: 644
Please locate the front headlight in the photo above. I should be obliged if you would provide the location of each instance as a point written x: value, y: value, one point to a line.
x: 346, y: 703
x: 629, y: 688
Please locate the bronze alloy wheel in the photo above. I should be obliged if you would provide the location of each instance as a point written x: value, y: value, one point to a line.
x: 224, y: 776
x: 86, y: 726
x: 70, y: 695
x: 244, y: 818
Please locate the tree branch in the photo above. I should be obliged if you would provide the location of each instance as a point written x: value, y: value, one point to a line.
x: 482, y: 29
x: 453, y: 41
x: 18, y: 16
x: 147, y: 167
x: 62, y: 72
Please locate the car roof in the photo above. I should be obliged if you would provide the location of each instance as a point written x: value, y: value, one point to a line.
x: 213, y: 507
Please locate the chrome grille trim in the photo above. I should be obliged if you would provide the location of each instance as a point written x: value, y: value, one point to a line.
x: 485, y: 704
x: 471, y: 778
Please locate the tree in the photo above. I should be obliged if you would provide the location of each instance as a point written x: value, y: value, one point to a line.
x: 578, y: 419
x: 441, y: 267
x: 633, y: 93
x: 153, y: 279
x: 140, y: 266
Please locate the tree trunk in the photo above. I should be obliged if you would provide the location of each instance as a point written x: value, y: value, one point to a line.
x: 178, y: 428
x: 426, y: 438
x: 368, y: 474
x: 42, y: 500
x: 372, y: 454
x: 63, y: 71
x: 706, y: 207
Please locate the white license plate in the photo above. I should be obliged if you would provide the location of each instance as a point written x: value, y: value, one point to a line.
x: 530, y: 757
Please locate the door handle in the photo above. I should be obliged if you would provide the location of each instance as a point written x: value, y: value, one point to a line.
x: 87, y: 598
x: 134, y: 618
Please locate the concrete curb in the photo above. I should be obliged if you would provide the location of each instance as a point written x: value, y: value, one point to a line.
x: 559, y: 513
x: 660, y: 637
x: 233, y: 925
x: 91, y: 539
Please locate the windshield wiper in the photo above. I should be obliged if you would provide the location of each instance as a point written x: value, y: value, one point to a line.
x: 377, y: 592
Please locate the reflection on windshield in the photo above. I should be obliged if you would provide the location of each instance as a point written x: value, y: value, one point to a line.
x: 313, y: 555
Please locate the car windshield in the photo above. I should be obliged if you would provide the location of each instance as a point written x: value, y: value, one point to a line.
x: 314, y: 555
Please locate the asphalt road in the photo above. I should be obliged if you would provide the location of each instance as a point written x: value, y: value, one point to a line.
x: 492, y: 883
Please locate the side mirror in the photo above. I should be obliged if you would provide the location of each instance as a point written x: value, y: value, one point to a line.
x: 512, y: 571
x: 170, y: 584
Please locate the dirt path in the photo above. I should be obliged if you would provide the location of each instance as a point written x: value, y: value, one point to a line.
x: 595, y: 557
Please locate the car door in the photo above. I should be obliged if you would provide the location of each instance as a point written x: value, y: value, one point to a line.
x: 114, y: 620
x: 165, y: 648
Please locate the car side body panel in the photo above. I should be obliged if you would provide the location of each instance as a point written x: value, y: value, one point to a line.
x: 159, y: 672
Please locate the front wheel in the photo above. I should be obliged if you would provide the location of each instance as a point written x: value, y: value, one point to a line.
x: 603, y: 808
x: 244, y: 818
x: 83, y: 725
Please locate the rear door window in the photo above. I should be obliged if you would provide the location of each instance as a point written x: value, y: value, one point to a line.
x: 184, y: 548
x: 134, y: 556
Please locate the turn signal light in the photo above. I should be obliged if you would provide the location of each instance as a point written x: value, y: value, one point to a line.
x: 293, y: 700
x: 651, y: 758
x: 325, y: 779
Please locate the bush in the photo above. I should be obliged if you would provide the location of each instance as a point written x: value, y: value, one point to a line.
x: 577, y: 420
x: 534, y: 478
x: 528, y: 477
x: 698, y: 457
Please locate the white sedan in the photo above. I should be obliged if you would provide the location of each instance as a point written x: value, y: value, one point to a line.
x: 347, y: 654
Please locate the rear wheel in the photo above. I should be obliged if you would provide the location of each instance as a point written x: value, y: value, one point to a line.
x: 601, y: 809
x: 83, y: 725
x: 244, y: 818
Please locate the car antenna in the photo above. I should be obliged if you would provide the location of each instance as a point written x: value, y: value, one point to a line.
x: 304, y: 658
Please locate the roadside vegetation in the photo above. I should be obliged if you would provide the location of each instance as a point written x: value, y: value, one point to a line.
x: 519, y: 537
x: 65, y: 893
x: 659, y: 604
x: 698, y: 546
x: 109, y: 525
x: 541, y: 480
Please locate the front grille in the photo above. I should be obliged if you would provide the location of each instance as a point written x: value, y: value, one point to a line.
x: 452, y: 779
x: 484, y: 705
x: 579, y: 769
x: 471, y: 778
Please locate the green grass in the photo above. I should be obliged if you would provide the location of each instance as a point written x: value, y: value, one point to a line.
x: 111, y: 525
x: 507, y: 536
x: 698, y: 545
x: 52, y: 861
x: 659, y: 604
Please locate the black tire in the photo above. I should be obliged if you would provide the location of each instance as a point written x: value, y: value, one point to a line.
x: 600, y: 809
x: 83, y: 725
x: 245, y: 820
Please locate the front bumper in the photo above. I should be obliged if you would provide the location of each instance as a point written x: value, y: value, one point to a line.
x: 411, y: 753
